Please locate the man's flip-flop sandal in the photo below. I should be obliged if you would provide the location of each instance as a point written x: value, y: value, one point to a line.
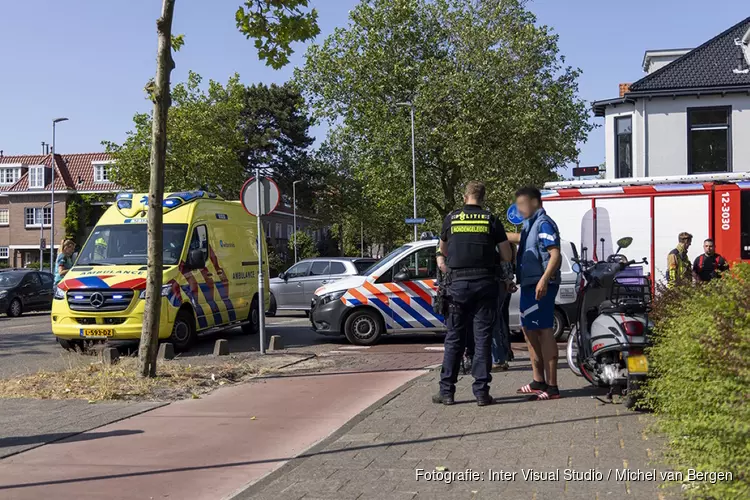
x: 527, y: 389
x: 545, y: 396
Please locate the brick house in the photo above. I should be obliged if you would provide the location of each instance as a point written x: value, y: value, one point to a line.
x: 26, y: 194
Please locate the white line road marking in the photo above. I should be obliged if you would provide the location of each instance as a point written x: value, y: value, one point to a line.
x: 435, y: 348
x: 354, y: 347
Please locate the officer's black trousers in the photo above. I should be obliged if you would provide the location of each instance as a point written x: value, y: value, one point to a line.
x: 473, y: 308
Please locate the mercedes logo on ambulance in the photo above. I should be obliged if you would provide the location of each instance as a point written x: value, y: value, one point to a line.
x: 97, y: 300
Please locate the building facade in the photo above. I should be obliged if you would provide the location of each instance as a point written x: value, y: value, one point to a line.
x: 26, y: 200
x: 690, y: 114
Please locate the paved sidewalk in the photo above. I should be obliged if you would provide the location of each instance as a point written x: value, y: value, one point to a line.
x: 378, y: 455
x: 198, y: 449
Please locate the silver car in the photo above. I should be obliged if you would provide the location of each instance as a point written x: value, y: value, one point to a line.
x: 293, y: 289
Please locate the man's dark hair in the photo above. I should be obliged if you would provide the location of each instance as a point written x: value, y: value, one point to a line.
x: 709, y: 240
x: 531, y: 192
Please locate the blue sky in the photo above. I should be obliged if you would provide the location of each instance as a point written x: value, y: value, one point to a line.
x: 88, y: 60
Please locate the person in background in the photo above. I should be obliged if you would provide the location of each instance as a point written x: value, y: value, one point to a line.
x: 500, y: 332
x: 538, y: 271
x: 710, y: 265
x: 679, y: 270
x: 64, y: 260
x: 502, y: 364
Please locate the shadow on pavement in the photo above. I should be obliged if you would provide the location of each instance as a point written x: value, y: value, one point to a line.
x: 67, y: 436
x: 306, y: 455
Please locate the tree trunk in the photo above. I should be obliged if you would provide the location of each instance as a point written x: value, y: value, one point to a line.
x: 162, y: 100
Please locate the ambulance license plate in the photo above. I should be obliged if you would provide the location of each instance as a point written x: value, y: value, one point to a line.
x: 97, y: 332
x: 638, y: 364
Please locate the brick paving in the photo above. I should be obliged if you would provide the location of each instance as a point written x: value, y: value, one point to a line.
x: 377, y: 455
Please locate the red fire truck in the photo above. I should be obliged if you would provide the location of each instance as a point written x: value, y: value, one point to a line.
x: 654, y: 211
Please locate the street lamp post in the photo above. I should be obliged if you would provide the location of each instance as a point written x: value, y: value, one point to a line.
x: 413, y: 160
x: 294, y: 210
x: 41, y: 239
x: 52, y: 201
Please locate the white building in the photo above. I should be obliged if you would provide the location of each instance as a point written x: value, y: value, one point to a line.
x: 690, y: 114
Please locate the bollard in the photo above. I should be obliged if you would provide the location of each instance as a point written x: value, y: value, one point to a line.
x: 276, y: 343
x: 110, y: 356
x: 221, y: 347
x: 166, y: 351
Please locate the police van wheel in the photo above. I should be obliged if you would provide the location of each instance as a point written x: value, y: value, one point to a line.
x: 558, y: 327
x: 183, y: 331
x: 253, y: 324
x: 363, y: 328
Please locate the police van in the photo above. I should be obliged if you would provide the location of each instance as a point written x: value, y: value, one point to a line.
x: 210, y: 271
x: 395, y: 296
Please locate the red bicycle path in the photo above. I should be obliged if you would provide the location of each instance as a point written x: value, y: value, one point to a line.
x: 209, y: 448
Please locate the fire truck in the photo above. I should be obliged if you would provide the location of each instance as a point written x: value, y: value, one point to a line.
x: 654, y: 211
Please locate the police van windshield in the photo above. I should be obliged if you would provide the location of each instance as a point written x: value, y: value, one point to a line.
x: 386, y: 261
x: 126, y: 244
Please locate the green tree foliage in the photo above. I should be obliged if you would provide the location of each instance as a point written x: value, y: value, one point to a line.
x: 492, y: 98
x: 217, y: 135
x: 700, y: 366
x: 275, y: 25
x: 306, y: 248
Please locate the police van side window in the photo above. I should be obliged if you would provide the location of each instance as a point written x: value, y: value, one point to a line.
x: 421, y: 264
x: 199, y: 241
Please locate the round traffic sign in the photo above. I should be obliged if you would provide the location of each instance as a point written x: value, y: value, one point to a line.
x: 269, y: 196
x: 513, y: 215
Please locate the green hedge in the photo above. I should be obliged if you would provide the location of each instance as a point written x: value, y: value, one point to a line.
x: 701, y: 385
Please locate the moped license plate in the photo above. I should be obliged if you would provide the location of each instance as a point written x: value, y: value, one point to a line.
x: 638, y: 364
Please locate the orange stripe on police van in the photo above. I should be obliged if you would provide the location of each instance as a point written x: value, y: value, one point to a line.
x: 377, y: 293
x: 361, y: 298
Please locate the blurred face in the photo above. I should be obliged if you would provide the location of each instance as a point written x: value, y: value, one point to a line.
x: 527, y: 206
x: 709, y: 247
x: 68, y: 249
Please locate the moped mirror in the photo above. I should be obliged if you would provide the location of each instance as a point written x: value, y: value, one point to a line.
x: 624, y: 243
x: 576, y: 268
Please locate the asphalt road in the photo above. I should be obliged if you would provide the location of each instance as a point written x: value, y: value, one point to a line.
x: 27, y: 345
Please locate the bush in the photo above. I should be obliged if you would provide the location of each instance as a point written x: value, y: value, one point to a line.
x: 700, y: 387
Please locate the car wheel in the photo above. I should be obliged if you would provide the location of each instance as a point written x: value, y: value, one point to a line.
x: 253, y: 319
x: 183, y: 331
x: 271, y: 307
x: 15, y: 309
x: 363, y: 327
x: 70, y: 345
x: 558, y: 326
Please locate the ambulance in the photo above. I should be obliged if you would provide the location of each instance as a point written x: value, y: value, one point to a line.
x: 210, y: 271
x: 594, y: 214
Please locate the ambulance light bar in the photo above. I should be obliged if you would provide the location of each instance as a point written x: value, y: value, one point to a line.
x: 647, y: 181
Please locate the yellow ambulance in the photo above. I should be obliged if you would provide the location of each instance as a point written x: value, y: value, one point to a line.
x: 210, y: 272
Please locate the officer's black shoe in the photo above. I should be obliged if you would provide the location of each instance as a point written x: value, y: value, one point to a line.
x: 445, y: 399
x: 485, y: 400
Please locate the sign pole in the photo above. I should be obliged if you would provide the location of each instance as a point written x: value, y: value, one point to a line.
x: 261, y: 283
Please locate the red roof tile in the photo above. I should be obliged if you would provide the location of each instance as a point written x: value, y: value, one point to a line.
x: 74, y: 172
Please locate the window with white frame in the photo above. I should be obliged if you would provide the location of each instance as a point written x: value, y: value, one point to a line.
x: 36, y: 177
x: 9, y: 175
x: 4, y: 252
x: 278, y: 231
x: 4, y: 216
x: 289, y: 231
x: 101, y: 172
x: 34, y: 216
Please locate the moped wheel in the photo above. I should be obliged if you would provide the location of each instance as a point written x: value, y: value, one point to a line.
x: 572, y: 352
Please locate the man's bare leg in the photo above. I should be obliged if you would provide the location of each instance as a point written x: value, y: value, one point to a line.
x: 535, y: 354
x: 549, y: 354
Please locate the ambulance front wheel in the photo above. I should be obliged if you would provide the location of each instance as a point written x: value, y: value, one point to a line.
x: 183, y: 331
x: 363, y: 327
x: 252, y: 326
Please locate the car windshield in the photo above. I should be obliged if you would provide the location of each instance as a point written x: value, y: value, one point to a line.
x: 378, y: 267
x: 126, y: 244
x: 363, y: 265
x: 9, y: 279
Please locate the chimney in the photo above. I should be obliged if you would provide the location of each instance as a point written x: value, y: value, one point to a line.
x: 43, y: 144
x: 624, y: 88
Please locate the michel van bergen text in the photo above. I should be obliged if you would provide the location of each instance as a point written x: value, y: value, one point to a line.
x: 535, y: 475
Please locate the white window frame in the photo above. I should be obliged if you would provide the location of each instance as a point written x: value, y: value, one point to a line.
x: 4, y: 253
x: 10, y: 171
x: 34, y: 176
x: 101, y: 171
x: 289, y: 231
x: 4, y: 221
x: 279, y: 229
x: 47, y: 214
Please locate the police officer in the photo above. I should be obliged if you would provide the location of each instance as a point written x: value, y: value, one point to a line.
x: 469, y: 238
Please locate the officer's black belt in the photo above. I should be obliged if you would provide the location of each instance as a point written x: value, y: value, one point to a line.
x: 469, y: 273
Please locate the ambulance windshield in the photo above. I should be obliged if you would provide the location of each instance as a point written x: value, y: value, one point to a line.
x: 386, y: 261
x: 126, y: 244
